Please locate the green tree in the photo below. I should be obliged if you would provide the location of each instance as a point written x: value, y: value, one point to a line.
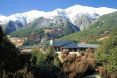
x: 38, y: 56
x: 47, y: 64
x: 8, y: 55
x: 107, y: 53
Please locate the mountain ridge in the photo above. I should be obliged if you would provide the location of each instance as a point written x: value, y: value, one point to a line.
x: 70, y: 12
x: 79, y: 17
x: 97, y: 31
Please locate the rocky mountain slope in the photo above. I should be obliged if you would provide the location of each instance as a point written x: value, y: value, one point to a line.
x: 97, y: 31
x: 79, y: 16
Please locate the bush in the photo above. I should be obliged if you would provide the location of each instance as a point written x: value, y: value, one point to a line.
x: 106, y: 53
x: 78, y: 66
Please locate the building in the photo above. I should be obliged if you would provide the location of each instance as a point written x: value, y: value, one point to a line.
x: 62, y: 46
x: 29, y: 48
x: 71, y: 46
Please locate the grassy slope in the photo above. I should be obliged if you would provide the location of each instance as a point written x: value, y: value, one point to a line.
x: 102, y: 27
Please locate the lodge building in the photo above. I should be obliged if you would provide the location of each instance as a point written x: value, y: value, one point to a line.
x: 71, y: 46
x: 62, y: 46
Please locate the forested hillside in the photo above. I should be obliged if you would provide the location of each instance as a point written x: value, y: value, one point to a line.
x: 106, y: 56
x: 99, y: 29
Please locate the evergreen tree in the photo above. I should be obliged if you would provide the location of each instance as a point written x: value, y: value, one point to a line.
x: 8, y: 55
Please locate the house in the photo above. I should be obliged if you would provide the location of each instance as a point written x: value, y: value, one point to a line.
x: 71, y: 46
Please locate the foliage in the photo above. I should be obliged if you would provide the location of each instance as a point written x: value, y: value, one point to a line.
x: 39, y: 56
x: 25, y: 31
x: 106, y: 53
x: 47, y: 65
x: 12, y: 62
x: 8, y: 54
x: 78, y: 66
x: 47, y: 71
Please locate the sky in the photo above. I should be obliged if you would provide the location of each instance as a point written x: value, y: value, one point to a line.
x: 8, y: 7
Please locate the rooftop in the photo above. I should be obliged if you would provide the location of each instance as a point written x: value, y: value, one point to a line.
x: 73, y: 44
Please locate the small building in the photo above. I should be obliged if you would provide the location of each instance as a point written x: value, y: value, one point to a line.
x: 29, y: 48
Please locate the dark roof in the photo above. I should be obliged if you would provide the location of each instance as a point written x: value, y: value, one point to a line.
x: 73, y: 44
x: 30, y: 46
x: 87, y: 45
x: 62, y: 43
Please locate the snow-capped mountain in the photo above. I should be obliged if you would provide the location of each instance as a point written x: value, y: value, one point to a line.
x: 77, y: 15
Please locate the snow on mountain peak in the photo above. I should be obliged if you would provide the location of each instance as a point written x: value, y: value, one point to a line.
x: 91, y: 10
x: 34, y: 13
x: 3, y: 19
x: 105, y: 10
x: 70, y: 13
x: 79, y: 10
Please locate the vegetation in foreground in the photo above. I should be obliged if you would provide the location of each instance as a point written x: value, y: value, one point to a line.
x: 106, y: 55
x: 14, y: 64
